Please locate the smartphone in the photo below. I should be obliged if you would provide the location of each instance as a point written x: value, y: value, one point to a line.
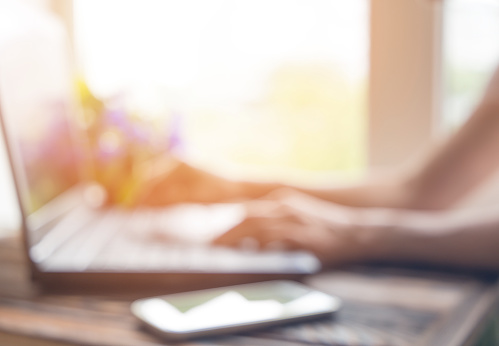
x: 232, y: 309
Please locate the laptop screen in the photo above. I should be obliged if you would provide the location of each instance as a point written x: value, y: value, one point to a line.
x: 37, y: 109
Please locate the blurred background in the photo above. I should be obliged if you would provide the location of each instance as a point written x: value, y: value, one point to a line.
x: 294, y: 90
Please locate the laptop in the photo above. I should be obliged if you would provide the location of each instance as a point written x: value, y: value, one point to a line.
x: 71, y: 241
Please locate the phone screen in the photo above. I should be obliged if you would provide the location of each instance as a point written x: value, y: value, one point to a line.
x: 232, y: 309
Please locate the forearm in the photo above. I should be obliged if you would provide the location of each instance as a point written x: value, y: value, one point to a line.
x: 465, y: 160
x: 468, y: 158
x: 457, y: 238
x: 451, y: 171
x: 388, y: 191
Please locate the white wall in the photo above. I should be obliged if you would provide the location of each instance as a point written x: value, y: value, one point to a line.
x: 9, y: 213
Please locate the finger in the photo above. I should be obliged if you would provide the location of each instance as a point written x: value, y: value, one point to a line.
x: 245, y: 229
x: 262, y: 207
x: 249, y: 244
x: 261, y: 229
x: 294, y: 237
x: 329, y: 249
x: 280, y: 194
x: 277, y: 245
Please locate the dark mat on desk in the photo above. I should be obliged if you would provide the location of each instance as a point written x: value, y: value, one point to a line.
x: 362, y: 324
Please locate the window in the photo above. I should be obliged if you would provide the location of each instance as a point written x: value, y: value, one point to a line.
x: 271, y: 87
x: 471, y: 52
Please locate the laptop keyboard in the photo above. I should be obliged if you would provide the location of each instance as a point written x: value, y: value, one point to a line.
x: 175, y: 239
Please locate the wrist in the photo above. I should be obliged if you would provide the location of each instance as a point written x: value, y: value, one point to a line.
x: 252, y: 190
x: 401, y: 235
x: 376, y: 231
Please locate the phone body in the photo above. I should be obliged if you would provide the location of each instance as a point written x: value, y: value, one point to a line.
x: 232, y: 309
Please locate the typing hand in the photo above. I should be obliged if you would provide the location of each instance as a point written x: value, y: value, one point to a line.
x: 290, y: 220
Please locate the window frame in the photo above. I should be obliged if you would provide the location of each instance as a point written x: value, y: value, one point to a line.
x: 405, y: 83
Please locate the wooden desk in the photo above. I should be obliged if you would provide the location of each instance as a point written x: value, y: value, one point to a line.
x: 383, y: 306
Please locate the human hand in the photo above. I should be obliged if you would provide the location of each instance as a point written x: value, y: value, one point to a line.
x: 287, y: 219
x: 179, y: 182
